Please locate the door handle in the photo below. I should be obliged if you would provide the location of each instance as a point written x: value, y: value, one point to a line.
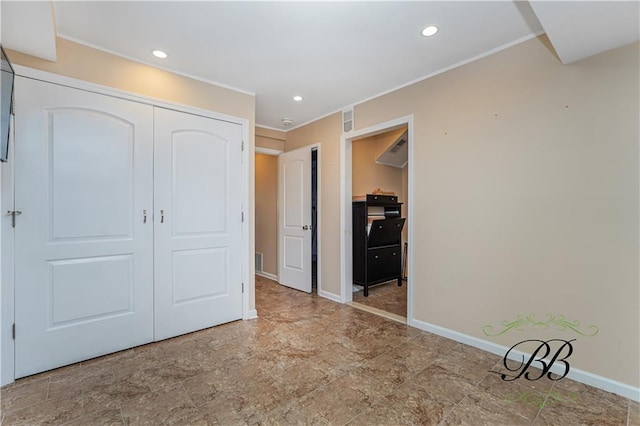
x: 161, y: 216
x: 305, y: 227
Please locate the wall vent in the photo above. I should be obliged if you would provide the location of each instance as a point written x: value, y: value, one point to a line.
x: 259, y: 262
x: 347, y: 120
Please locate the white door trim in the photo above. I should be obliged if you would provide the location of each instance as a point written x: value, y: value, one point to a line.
x: 7, y: 285
x: 268, y: 151
x: 346, y: 227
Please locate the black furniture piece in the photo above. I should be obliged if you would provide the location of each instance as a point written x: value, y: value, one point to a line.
x: 377, y: 235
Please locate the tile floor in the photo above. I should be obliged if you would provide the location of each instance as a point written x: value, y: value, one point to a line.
x: 387, y: 297
x: 306, y: 360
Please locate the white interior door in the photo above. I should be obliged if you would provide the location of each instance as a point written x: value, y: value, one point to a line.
x: 198, y: 207
x: 294, y: 219
x: 83, y: 249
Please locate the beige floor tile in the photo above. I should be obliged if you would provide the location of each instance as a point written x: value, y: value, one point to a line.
x: 305, y: 361
x: 157, y: 407
x: 387, y: 297
x: 103, y: 417
x: 335, y: 360
x: 381, y: 414
x: 513, y: 396
x: 335, y: 403
x: 634, y: 413
x: 468, y: 362
x: 113, y: 393
x: 415, y: 404
x: 203, y: 389
x: 21, y: 395
x: 570, y: 402
x: 194, y: 418
x: 476, y: 411
x: 225, y: 409
x: 444, y: 383
x: 413, y: 357
x: 52, y: 412
x: 432, y: 343
x: 301, y: 379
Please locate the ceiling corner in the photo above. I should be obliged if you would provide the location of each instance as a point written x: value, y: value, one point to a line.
x: 579, y: 29
x: 29, y: 27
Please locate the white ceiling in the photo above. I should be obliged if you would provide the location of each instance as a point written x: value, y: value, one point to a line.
x: 28, y: 27
x: 580, y: 30
x: 335, y: 54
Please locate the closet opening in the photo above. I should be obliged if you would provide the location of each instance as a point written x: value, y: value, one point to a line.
x: 377, y: 219
x: 314, y: 221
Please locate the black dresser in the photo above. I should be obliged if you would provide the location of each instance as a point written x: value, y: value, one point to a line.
x: 377, y: 235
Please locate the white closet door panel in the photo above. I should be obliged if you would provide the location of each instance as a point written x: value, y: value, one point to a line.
x: 84, y: 256
x: 198, y: 228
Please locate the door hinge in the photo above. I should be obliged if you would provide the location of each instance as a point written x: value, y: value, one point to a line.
x: 13, y: 331
x: 243, y: 287
x: 13, y: 214
x: 242, y: 146
x: 13, y: 106
x: 242, y: 216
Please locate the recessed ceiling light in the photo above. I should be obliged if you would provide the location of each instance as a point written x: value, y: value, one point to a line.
x: 160, y: 54
x: 429, y: 31
x: 297, y: 98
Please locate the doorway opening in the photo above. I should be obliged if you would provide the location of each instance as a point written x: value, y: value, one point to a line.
x: 379, y: 193
x: 266, y: 213
x: 299, y: 224
x: 314, y: 221
x: 368, y: 170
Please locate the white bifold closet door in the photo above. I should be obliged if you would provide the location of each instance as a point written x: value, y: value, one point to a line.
x: 83, y: 252
x: 131, y: 227
x: 198, y: 221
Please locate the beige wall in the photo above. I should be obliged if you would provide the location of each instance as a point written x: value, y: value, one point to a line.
x: 84, y: 63
x: 95, y: 66
x: 269, y: 143
x: 327, y: 132
x: 267, y: 211
x: 268, y: 138
x: 526, y: 192
x: 369, y: 175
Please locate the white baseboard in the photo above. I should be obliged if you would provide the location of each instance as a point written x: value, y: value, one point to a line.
x: 330, y: 296
x: 267, y: 275
x: 252, y: 314
x: 578, y: 375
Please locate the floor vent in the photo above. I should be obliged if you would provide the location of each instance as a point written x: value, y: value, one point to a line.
x: 258, y: 262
